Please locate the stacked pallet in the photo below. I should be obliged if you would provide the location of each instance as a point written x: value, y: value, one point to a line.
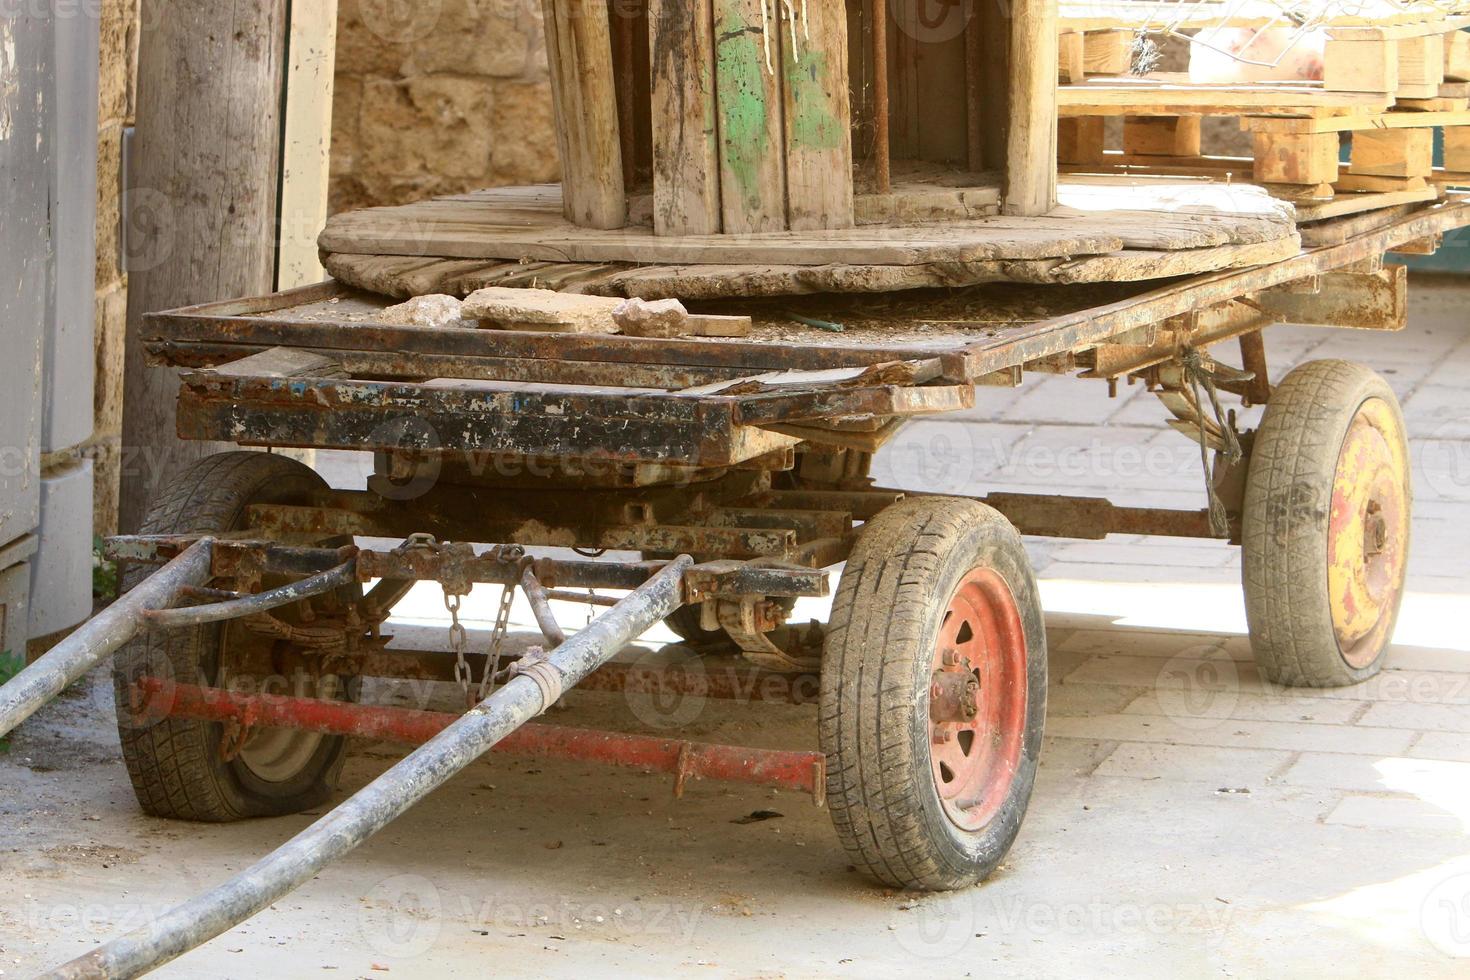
x: 1363, y: 137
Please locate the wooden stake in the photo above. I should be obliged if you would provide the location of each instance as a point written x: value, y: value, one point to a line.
x: 1031, y: 145
x: 882, y: 164
x: 817, y: 113
x: 686, y: 160
x: 579, y: 55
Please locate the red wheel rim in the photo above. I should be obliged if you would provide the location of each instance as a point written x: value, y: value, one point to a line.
x: 977, y: 699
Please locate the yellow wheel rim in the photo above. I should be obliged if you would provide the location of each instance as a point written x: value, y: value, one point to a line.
x: 1368, y: 533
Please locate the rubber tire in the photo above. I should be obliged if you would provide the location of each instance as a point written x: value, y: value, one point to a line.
x: 1288, y: 502
x: 873, y: 720
x: 175, y: 764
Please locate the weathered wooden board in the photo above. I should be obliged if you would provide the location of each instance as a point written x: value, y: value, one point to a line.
x: 508, y: 225
x: 686, y: 158
x: 579, y: 56
x: 817, y: 116
x: 748, y: 99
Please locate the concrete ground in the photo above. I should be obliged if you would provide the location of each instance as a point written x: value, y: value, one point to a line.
x: 1188, y: 819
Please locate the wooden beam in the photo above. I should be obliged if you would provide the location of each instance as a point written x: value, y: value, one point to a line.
x: 1031, y: 144
x: 748, y: 97
x: 307, y: 151
x: 579, y: 56
x: 817, y: 114
x: 686, y: 160
x: 207, y: 148
x: 882, y: 138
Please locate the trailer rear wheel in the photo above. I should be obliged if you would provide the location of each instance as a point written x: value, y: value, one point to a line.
x: 190, y: 770
x: 1326, y: 526
x: 933, y: 694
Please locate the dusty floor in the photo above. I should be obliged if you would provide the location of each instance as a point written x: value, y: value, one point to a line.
x: 1188, y: 820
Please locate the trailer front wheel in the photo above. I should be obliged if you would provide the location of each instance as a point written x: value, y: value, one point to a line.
x: 933, y: 694
x: 196, y: 770
x: 1326, y: 526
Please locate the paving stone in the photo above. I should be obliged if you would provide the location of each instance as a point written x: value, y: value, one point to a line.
x: 1393, y: 813
x: 1374, y: 774
x: 1190, y: 763
x: 1235, y: 733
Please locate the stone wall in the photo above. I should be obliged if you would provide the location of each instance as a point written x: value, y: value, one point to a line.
x: 117, y: 77
x: 437, y: 97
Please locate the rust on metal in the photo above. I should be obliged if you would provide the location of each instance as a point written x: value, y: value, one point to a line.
x: 155, y: 699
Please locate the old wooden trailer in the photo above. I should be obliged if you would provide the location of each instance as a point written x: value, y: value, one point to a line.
x: 860, y: 216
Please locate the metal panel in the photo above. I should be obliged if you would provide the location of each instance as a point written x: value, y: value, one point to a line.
x: 61, y: 571
x: 66, y: 416
x: 25, y: 254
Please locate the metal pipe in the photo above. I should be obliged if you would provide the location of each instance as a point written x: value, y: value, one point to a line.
x: 387, y: 797
x: 541, y: 608
x: 343, y: 574
x: 96, y: 639
x: 731, y: 763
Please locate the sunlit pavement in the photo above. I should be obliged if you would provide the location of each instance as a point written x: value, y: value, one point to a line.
x: 1189, y: 819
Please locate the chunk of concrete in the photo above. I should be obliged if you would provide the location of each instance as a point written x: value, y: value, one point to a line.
x: 436, y: 310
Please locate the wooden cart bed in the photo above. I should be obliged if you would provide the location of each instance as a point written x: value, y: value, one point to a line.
x: 311, y: 368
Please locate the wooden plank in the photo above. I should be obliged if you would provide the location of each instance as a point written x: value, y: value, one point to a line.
x: 579, y: 57
x: 1378, y: 184
x: 1115, y: 97
x: 1457, y: 148
x: 1357, y: 203
x: 306, y: 147
x: 817, y: 116
x: 1070, y: 56
x: 282, y: 362
x: 1287, y: 159
x: 1080, y: 139
x: 686, y: 161
x: 1107, y: 52
x: 1353, y: 123
x: 1175, y: 136
x: 1361, y: 66
x: 1393, y: 152
x: 1031, y: 143
x: 748, y: 96
x: 995, y: 28
x: 1421, y: 66
x: 1457, y: 56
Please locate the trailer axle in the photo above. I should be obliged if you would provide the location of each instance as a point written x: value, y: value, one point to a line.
x: 155, y: 699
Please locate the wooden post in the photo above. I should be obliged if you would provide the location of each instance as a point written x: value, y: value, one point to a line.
x: 579, y: 56
x: 202, y: 199
x: 817, y: 112
x: 995, y: 44
x: 1031, y: 144
x: 686, y: 160
x: 748, y: 93
x: 882, y: 141
x: 306, y: 156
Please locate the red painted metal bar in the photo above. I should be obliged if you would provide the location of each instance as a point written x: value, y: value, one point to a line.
x: 155, y: 699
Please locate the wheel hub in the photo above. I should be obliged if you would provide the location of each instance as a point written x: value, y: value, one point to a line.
x: 1368, y: 533
x: 977, y: 699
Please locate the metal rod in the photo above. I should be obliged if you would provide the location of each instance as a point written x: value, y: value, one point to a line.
x: 731, y: 763
x: 343, y: 574
x: 697, y: 677
x: 96, y: 639
x: 591, y: 599
x: 541, y: 608
x: 387, y: 797
x: 882, y: 167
